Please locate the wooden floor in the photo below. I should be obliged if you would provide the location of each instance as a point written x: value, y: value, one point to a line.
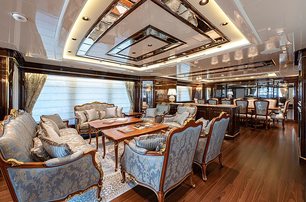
x: 259, y: 165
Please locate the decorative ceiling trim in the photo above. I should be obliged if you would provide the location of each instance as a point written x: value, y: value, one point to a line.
x: 226, y: 69
x: 149, y: 31
x: 185, y: 13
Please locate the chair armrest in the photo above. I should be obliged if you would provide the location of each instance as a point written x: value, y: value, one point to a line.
x: 133, y: 147
x: 154, y: 153
x: 64, y: 160
x: 80, y: 173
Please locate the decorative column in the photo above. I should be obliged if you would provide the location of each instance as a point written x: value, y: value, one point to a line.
x: 4, y: 87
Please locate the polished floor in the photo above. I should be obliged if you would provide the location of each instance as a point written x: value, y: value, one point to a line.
x: 259, y: 165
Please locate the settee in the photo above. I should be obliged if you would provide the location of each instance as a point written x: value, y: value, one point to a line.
x: 92, y: 111
x: 77, y: 176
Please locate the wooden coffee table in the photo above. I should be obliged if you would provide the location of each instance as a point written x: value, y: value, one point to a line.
x: 99, y: 125
x: 117, y: 135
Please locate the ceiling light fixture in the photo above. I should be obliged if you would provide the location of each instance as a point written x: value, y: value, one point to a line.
x: 226, y: 58
x: 73, y: 39
x: 203, y: 2
x: 85, y: 18
x: 224, y: 24
x: 214, y: 60
x: 149, y: 45
x: 19, y: 17
x: 69, y: 51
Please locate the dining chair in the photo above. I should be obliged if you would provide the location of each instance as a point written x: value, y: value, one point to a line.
x: 281, y: 115
x: 226, y: 102
x: 244, y: 116
x: 212, y: 101
x: 262, y: 113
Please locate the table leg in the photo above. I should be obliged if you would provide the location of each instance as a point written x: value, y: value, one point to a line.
x: 103, y: 144
x: 116, y: 155
x: 90, y: 135
x: 97, y: 142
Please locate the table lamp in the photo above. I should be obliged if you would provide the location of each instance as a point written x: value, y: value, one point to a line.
x: 172, y: 93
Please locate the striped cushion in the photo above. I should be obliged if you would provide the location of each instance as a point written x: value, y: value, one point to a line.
x: 150, y: 142
x: 55, y: 148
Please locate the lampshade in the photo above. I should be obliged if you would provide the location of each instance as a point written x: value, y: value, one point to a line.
x: 172, y: 91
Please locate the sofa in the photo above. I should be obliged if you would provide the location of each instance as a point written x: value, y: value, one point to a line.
x: 184, y: 114
x: 75, y: 176
x: 88, y: 112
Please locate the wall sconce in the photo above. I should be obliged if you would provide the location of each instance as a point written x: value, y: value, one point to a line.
x: 172, y: 94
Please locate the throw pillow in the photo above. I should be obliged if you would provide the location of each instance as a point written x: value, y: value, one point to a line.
x: 151, y: 112
x: 38, y: 152
x: 111, y: 112
x: 56, y: 118
x: 49, y: 131
x: 102, y: 114
x: 81, y: 116
x: 181, y: 118
x: 119, y: 112
x: 52, y: 124
x: 206, y: 130
x: 92, y: 114
x: 55, y: 148
x: 150, y: 142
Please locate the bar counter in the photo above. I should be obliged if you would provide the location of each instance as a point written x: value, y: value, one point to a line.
x: 210, y: 111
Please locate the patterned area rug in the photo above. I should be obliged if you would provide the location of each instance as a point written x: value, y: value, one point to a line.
x: 112, y: 185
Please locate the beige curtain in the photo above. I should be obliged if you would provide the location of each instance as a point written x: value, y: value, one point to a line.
x: 130, y: 89
x: 33, y: 84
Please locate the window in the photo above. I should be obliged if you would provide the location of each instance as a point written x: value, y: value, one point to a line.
x: 184, y: 93
x: 61, y: 93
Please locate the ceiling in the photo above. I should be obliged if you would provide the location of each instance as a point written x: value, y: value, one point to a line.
x: 169, y: 38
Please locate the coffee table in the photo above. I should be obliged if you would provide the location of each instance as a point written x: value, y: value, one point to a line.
x: 99, y: 125
x: 117, y: 135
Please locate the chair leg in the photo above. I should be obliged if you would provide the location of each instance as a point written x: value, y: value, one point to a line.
x: 160, y: 196
x: 220, y: 160
x: 123, y: 176
x: 191, y: 181
x: 283, y: 123
x: 204, y: 177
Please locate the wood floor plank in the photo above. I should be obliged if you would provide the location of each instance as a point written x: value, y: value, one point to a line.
x: 259, y: 165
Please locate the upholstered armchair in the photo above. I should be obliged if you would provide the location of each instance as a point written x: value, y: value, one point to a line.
x: 226, y: 102
x: 156, y: 114
x: 159, y: 171
x: 209, y: 147
x: 149, y: 115
x: 183, y: 115
x: 162, y: 109
x: 76, y: 177
x: 262, y: 113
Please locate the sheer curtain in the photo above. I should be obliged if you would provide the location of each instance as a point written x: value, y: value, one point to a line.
x: 33, y: 84
x: 130, y: 89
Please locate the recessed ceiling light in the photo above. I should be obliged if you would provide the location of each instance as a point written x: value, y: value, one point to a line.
x: 203, y: 2
x: 69, y: 51
x: 149, y: 45
x: 219, y: 46
x: 85, y: 18
x: 19, y: 17
x: 73, y: 39
x: 224, y: 24
x: 133, y: 52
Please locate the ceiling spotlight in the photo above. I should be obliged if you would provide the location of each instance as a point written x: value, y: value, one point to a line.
x: 19, y: 17
x: 224, y: 24
x: 85, y: 18
x: 203, y: 2
x: 133, y: 52
x: 73, y: 39
x: 149, y: 45
x: 69, y: 51
x: 219, y: 46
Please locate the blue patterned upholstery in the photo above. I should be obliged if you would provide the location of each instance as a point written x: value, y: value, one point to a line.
x: 54, y: 179
x: 148, y: 169
x: 212, y: 143
x: 54, y: 183
x: 162, y: 108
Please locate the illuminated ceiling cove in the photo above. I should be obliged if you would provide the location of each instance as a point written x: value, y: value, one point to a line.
x: 145, y: 34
